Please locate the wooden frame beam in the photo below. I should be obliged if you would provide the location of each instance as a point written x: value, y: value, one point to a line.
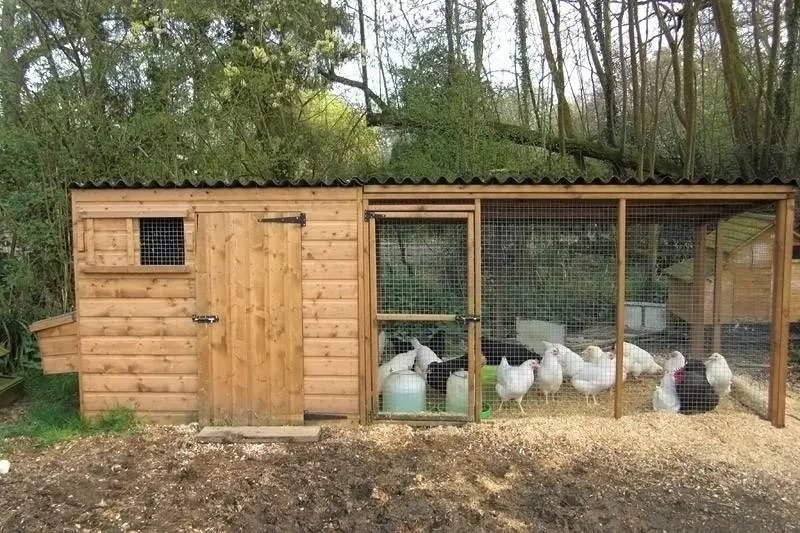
x: 586, y: 192
x: 781, y: 296
x: 719, y: 263
x: 414, y: 317
x: 364, y: 332
x: 698, y: 328
x: 476, y: 360
x: 619, y: 392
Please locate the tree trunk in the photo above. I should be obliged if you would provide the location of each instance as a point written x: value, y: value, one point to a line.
x: 11, y: 75
x: 604, y: 7
x: 527, y: 99
x: 689, y: 85
x: 783, y: 102
x: 363, y: 55
x: 450, y: 29
x: 477, y: 43
x: 556, y: 65
x: 740, y: 109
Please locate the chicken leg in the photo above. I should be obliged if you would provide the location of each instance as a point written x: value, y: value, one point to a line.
x: 519, y: 402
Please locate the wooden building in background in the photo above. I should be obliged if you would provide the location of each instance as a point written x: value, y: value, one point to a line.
x: 747, y: 242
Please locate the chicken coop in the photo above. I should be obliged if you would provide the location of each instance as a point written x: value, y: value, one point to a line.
x: 747, y: 241
x: 270, y: 303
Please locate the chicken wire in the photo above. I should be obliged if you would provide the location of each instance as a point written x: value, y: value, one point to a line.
x: 161, y: 241
x: 673, y: 319
x: 422, y: 269
x: 548, y: 306
x: 548, y: 276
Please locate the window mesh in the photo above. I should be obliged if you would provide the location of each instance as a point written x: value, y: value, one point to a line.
x: 161, y: 241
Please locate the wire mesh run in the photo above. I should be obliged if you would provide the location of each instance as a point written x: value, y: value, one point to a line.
x: 699, y: 305
x: 161, y: 241
x: 422, y: 269
x: 548, y: 274
x: 697, y: 311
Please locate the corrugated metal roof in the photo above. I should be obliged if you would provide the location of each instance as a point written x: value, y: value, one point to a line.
x: 735, y: 232
x: 135, y: 183
x: 739, y: 230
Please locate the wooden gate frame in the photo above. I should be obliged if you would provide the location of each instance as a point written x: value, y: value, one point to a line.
x: 470, y: 215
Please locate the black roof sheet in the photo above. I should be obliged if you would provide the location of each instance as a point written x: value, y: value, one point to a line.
x: 101, y: 183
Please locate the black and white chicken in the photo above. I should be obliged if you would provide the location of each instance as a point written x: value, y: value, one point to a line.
x: 695, y: 393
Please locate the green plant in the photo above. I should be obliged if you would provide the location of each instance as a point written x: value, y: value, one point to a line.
x: 794, y: 357
x: 54, y: 415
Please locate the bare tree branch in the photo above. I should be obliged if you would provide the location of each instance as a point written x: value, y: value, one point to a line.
x: 335, y: 78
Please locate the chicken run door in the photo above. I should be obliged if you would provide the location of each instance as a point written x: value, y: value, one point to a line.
x: 423, y: 272
x: 250, y: 337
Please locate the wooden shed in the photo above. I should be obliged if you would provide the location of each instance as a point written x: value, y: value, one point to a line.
x: 260, y: 303
x: 746, y: 243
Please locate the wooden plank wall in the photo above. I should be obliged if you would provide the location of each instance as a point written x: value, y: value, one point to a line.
x: 137, y: 340
x: 57, y: 339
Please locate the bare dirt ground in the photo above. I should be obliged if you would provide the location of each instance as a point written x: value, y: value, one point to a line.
x: 646, y: 472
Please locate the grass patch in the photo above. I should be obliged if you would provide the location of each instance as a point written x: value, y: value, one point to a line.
x: 54, y: 414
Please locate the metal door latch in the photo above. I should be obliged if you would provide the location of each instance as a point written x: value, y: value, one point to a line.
x: 463, y: 320
x: 205, y: 319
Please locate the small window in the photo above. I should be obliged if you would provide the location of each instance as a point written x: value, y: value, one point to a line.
x: 161, y: 241
x: 796, y: 252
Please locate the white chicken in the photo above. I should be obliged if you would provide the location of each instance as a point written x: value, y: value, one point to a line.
x: 570, y: 362
x: 425, y: 356
x: 381, y: 343
x: 403, y: 361
x: 5, y: 466
x: 638, y: 361
x: 676, y: 360
x: 597, y: 375
x: 550, y: 374
x: 665, y: 397
x: 513, y: 382
x: 719, y: 374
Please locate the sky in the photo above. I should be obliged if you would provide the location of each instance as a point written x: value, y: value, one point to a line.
x: 500, y: 41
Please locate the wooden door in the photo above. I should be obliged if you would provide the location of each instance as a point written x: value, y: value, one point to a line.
x: 251, y: 358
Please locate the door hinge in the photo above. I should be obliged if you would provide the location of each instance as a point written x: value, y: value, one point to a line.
x: 370, y: 215
x: 297, y: 219
x: 463, y: 320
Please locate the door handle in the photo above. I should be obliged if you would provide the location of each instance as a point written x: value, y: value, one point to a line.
x: 205, y: 319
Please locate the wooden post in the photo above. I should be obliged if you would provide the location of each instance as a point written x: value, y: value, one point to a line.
x: 699, y: 292
x: 364, y: 332
x: 719, y: 258
x: 476, y: 353
x: 620, y: 318
x: 781, y: 293
x: 372, y: 356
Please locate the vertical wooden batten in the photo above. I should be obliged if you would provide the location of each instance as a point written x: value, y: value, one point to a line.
x: 363, y: 337
x: 476, y: 355
x: 78, y: 237
x: 620, y: 313
x: 372, y: 356
x: 699, y: 291
x: 719, y: 260
x: 781, y: 300
x: 474, y: 378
